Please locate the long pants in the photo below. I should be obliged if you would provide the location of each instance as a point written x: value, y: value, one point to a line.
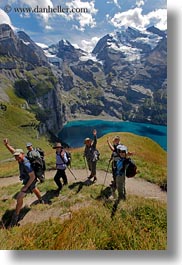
x: 60, y: 174
x: 120, y: 185
x: 92, y: 167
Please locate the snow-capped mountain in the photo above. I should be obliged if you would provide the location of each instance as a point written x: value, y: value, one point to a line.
x: 125, y: 76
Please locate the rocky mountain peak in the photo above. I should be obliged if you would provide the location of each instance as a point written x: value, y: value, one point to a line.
x: 20, y: 46
x: 157, y: 31
x: 6, y: 32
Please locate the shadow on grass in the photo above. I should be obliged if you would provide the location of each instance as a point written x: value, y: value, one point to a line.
x: 105, y: 193
x: 81, y: 184
x: 7, y: 216
x: 47, y: 197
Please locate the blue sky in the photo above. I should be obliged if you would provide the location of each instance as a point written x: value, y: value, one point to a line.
x: 80, y: 28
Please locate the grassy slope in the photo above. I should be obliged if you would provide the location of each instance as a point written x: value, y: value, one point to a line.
x: 139, y: 224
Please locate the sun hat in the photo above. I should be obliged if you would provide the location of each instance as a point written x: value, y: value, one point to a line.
x: 86, y: 140
x: 17, y: 152
x: 58, y: 145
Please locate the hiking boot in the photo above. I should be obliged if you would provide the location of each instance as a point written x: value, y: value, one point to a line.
x: 41, y: 201
x: 90, y: 177
x: 14, y: 220
x: 95, y: 179
x: 57, y: 192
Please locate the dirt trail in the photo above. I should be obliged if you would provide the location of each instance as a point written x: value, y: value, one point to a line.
x: 134, y: 186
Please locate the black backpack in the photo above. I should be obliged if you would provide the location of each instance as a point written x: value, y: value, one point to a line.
x: 131, y: 168
x: 42, y: 155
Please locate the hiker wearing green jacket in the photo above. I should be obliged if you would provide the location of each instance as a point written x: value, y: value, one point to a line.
x: 92, y: 155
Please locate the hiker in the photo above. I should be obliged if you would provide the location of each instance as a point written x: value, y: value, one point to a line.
x: 37, y: 161
x: 61, y: 160
x: 91, y: 154
x: 114, y: 158
x: 121, y: 166
x: 28, y: 178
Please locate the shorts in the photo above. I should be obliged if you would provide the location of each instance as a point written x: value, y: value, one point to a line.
x: 31, y: 187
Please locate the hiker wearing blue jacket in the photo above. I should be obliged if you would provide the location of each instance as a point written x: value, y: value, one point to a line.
x: 27, y: 176
x: 121, y: 171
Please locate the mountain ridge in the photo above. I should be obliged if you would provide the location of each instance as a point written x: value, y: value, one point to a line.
x: 126, y: 79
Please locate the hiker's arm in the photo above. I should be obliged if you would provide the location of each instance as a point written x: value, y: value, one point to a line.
x: 95, y: 138
x: 131, y: 153
x: 8, y: 146
x: 110, y: 145
x: 31, y: 179
x: 64, y: 156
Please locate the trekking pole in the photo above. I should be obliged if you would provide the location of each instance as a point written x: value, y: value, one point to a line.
x: 106, y: 175
x: 72, y: 173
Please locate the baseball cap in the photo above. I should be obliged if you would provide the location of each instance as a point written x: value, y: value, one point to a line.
x: 29, y: 144
x: 122, y: 147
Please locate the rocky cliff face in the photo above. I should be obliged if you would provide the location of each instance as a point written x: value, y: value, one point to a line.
x: 125, y: 74
x: 25, y: 69
x: 20, y: 46
x: 125, y: 77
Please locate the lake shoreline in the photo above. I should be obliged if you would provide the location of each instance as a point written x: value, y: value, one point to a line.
x: 74, y: 132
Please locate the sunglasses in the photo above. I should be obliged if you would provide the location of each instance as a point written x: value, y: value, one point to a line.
x: 123, y: 152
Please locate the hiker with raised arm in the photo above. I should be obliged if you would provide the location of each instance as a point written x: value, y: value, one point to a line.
x: 114, y: 158
x: 91, y: 154
x: 61, y: 165
x: 27, y: 176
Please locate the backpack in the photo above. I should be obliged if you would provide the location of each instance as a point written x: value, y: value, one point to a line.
x: 38, y: 164
x: 131, y: 168
x: 96, y: 155
x: 68, y: 155
x: 42, y: 154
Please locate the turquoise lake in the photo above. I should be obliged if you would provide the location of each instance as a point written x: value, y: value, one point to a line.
x: 74, y: 132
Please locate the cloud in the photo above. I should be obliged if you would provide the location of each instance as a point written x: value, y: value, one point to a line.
x: 114, y: 2
x: 41, y: 4
x: 82, y: 18
x: 4, y: 18
x: 140, y: 3
x: 132, y: 18
x: 158, y: 18
x: 88, y: 45
x: 135, y: 18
